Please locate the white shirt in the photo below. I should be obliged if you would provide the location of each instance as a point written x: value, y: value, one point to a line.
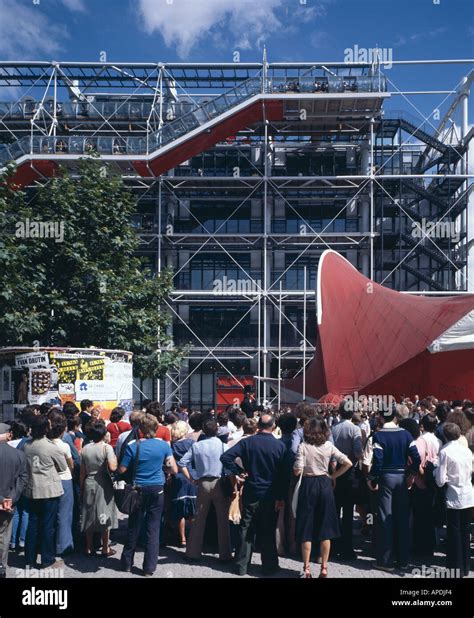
x: 66, y: 450
x: 232, y: 427
x: 365, y: 427
x: 14, y: 443
x: 430, y: 438
x: 236, y: 436
x: 455, y: 468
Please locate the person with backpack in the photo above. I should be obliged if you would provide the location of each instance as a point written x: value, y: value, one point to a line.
x: 423, y: 491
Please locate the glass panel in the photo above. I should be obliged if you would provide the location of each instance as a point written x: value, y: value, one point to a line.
x: 69, y: 110
x: 104, y: 144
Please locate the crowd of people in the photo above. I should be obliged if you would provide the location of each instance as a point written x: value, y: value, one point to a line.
x: 283, y: 484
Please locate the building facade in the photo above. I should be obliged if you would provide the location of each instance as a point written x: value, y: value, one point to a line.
x: 244, y: 174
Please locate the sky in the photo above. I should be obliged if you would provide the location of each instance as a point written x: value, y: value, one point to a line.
x: 211, y: 30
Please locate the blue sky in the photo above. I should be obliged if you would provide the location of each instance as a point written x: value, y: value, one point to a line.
x: 205, y: 30
x: 212, y: 30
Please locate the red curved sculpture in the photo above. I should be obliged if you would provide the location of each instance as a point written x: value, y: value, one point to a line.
x: 376, y: 341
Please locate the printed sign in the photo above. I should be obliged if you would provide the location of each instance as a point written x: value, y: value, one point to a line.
x: 97, y: 390
x: 66, y: 389
x: 67, y: 369
x: 32, y: 360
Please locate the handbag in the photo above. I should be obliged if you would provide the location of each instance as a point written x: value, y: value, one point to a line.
x: 296, y: 493
x: 127, y: 498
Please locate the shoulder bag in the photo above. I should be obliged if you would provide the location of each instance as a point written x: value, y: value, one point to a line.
x: 127, y: 499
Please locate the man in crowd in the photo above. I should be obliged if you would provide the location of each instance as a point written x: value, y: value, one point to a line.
x: 249, y: 406
x: 85, y: 416
x: 5, y: 432
x: 395, y: 462
x: 204, y: 458
x: 264, y: 462
x: 348, y: 439
x: 13, y: 478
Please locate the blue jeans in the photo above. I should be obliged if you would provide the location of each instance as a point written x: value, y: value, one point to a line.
x: 151, y: 503
x: 392, y: 526
x: 64, y: 539
x: 41, y: 533
x: 20, y: 523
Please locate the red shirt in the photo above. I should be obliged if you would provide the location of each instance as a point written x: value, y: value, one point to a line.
x: 163, y: 433
x: 115, y: 429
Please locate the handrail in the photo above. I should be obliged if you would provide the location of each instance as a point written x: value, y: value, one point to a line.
x: 201, y: 114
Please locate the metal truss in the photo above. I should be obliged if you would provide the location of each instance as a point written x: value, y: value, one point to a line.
x: 140, y: 98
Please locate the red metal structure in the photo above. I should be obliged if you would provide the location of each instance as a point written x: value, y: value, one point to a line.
x: 376, y: 341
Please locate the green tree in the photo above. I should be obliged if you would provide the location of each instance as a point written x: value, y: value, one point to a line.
x: 85, y: 286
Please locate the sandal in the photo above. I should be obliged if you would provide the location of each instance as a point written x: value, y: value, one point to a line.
x: 183, y: 544
x: 324, y: 573
x: 110, y: 552
x: 306, y: 573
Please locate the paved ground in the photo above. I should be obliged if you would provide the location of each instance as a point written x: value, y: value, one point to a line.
x: 173, y: 564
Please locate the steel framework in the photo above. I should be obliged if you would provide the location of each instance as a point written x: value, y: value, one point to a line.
x: 244, y: 174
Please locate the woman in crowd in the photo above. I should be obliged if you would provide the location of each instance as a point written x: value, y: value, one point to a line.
x: 183, y: 492
x: 64, y: 541
x: 99, y: 513
x: 151, y: 455
x: 19, y: 435
x: 156, y: 409
x: 223, y: 431
x: 455, y: 470
x: 116, y: 425
x: 422, y: 492
x: 459, y: 418
x: 45, y: 462
x: 316, y: 516
x: 236, y: 420
x: 195, y: 422
x: 85, y: 424
x: 76, y: 434
x: 169, y: 419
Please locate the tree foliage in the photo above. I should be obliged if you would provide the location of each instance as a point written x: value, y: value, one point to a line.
x: 88, y: 288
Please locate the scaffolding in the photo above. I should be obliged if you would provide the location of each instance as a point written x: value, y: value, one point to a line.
x: 244, y: 174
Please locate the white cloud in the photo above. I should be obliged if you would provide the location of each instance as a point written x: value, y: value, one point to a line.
x: 420, y: 36
x: 74, y: 5
x: 186, y: 23
x: 320, y: 39
x: 27, y: 32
